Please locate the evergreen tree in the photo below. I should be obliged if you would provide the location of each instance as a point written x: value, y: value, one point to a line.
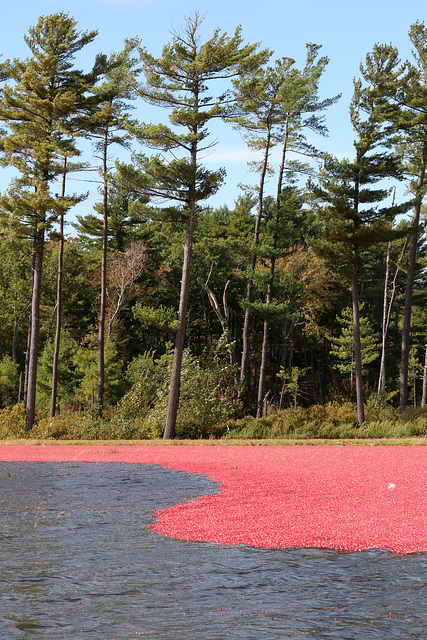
x: 278, y: 105
x: 123, y: 222
x: 354, y: 215
x: 106, y: 127
x: 180, y: 80
x: 15, y: 293
x: 343, y: 346
x: 68, y: 377
x: 41, y: 95
x: 411, y: 119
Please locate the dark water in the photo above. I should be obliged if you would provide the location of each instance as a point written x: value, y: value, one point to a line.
x: 78, y: 560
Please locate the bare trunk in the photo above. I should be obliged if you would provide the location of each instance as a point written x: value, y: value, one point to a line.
x: 175, y: 385
x: 284, y: 356
x: 249, y: 293
x: 20, y: 388
x: 101, y: 334
x: 180, y: 336
x: 263, y: 371
x: 265, y: 340
x: 58, y: 304
x: 325, y: 390
x: 424, y: 396
x: 404, y: 362
x: 222, y: 318
x: 27, y: 353
x: 381, y: 381
x: 357, y: 345
x: 34, y: 331
x: 388, y: 305
x: 15, y: 335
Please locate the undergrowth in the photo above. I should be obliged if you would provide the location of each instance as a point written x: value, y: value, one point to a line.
x: 328, y: 421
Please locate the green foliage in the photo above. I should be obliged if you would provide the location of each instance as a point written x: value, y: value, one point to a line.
x: 123, y: 222
x: 291, y: 383
x: 329, y: 421
x: 149, y: 376
x: 9, y: 377
x: 15, y: 290
x: 12, y: 422
x: 87, y: 369
x: 343, y: 345
x: 69, y: 375
x: 162, y: 318
x: 208, y: 396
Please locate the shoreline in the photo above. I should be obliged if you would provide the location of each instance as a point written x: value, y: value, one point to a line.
x: 386, y: 442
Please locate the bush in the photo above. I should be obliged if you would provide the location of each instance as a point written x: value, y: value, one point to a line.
x: 208, y: 396
x: 330, y: 421
x: 12, y: 422
x: 9, y: 378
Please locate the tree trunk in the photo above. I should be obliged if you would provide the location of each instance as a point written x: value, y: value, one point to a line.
x: 34, y: 332
x: 175, y: 385
x: 58, y: 305
x: 388, y: 305
x: 264, y: 351
x: 27, y: 353
x: 180, y: 336
x: 20, y: 388
x: 101, y: 334
x: 265, y: 340
x: 404, y: 362
x: 14, y: 338
x: 357, y: 344
x: 263, y: 371
x: 381, y: 381
x: 424, y: 396
x: 249, y: 293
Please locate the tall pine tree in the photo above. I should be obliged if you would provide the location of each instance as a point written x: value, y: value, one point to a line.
x: 354, y: 213
x: 181, y: 81
x: 40, y: 96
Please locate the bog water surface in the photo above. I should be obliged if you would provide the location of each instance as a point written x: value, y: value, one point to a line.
x: 79, y: 560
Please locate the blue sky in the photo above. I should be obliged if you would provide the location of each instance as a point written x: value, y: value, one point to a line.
x: 346, y: 30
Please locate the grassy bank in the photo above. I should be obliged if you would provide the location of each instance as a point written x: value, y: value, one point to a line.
x: 317, y: 424
x: 224, y: 442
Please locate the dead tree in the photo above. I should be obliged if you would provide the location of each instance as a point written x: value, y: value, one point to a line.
x: 223, y: 318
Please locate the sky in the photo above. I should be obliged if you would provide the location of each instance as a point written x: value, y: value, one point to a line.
x: 346, y: 30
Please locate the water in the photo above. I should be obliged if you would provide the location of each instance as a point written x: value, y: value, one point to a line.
x: 79, y: 560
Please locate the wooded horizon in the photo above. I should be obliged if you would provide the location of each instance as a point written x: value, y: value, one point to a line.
x: 168, y: 313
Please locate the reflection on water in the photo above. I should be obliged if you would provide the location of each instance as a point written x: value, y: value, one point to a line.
x: 78, y: 560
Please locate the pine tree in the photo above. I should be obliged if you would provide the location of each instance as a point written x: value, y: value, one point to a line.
x: 343, y: 346
x: 278, y: 105
x: 41, y: 95
x: 106, y: 126
x: 180, y: 80
x: 123, y: 222
x: 412, y: 121
x: 353, y: 217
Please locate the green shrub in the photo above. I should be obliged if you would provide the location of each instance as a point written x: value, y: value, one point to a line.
x: 208, y: 396
x: 330, y: 421
x: 12, y: 422
x: 9, y: 378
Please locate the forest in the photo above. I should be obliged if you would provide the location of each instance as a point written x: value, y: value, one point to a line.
x: 159, y: 315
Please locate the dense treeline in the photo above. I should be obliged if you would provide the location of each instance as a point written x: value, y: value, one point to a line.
x: 163, y: 315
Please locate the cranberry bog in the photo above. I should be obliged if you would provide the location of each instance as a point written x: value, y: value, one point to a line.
x: 206, y: 542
